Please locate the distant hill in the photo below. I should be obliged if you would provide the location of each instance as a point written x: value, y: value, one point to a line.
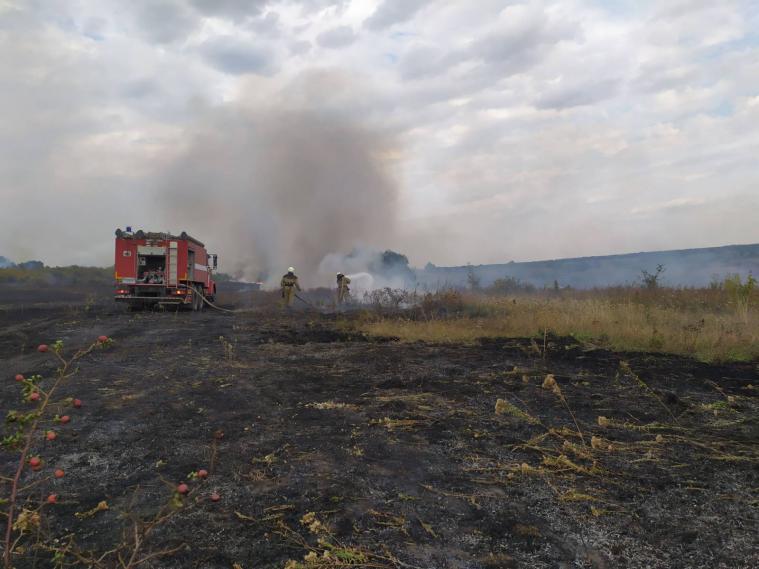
x: 6, y: 263
x: 685, y: 267
x: 36, y: 274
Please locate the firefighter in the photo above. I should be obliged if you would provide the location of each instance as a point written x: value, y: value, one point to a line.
x: 289, y: 284
x: 343, y: 291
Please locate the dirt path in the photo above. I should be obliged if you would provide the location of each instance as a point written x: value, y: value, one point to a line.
x: 397, y: 450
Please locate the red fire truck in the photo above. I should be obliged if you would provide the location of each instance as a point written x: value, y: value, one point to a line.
x: 155, y: 269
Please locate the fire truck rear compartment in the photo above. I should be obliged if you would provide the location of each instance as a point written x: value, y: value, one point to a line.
x: 147, y: 263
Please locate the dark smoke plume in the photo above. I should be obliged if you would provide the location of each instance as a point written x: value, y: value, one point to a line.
x: 269, y: 188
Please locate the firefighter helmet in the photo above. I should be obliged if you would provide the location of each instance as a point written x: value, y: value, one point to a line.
x: 290, y: 269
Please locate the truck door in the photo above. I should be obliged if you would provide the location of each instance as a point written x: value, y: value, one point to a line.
x: 173, y: 256
x: 190, y: 265
x: 126, y: 264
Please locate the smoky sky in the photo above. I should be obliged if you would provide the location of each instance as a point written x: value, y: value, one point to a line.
x: 274, y: 188
x: 281, y: 131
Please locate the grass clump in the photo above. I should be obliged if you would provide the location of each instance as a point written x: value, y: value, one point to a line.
x: 503, y: 407
x: 716, y: 324
x: 331, y: 405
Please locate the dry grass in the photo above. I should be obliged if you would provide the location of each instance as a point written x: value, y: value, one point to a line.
x: 699, y: 323
x: 332, y: 405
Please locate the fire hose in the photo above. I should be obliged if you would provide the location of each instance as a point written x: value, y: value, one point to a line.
x: 305, y: 301
x: 212, y: 305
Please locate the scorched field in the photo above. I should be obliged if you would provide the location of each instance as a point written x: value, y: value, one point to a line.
x: 301, y: 444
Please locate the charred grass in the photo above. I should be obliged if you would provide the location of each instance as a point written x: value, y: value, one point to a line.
x: 334, y: 450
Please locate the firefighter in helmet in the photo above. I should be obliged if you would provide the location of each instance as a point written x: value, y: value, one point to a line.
x: 289, y: 284
x: 343, y: 291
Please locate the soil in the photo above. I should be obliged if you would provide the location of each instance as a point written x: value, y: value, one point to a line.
x: 396, y: 450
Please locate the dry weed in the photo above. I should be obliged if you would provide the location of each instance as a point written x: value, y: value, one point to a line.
x: 688, y: 322
x: 503, y: 407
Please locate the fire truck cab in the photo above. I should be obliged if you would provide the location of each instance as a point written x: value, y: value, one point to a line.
x: 160, y: 269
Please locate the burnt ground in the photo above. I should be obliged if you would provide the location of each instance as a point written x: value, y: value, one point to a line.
x: 396, y: 450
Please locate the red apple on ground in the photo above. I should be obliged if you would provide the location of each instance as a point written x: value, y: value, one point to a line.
x: 19, y: 377
x: 34, y: 396
x: 35, y: 462
x: 52, y: 499
x: 215, y: 497
x: 50, y: 435
x: 183, y: 488
x: 59, y: 473
x: 102, y: 339
x: 77, y: 403
x: 65, y: 419
x: 42, y: 348
x: 202, y: 473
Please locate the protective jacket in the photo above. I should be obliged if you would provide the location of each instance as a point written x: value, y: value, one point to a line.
x: 342, y: 288
x: 289, y: 284
x: 343, y: 282
x: 288, y: 281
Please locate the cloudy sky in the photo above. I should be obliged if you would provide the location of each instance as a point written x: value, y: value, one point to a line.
x: 507, y: 129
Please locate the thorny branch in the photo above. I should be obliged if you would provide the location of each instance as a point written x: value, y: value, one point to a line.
x: 64, y: 372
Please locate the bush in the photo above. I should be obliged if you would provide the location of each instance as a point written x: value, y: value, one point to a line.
x: 651, y: 280
x: 509, y: 285
x: 442, y: 304
x: 740, y: 293
x: 392, y: 298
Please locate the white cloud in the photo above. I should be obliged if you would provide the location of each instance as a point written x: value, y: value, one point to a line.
x: 530, y: 129
x: 237, y: 57
x: 340, y: 36
x: 391, y: 12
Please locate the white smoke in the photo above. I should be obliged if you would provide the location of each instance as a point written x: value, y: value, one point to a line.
x: 366, y: 269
